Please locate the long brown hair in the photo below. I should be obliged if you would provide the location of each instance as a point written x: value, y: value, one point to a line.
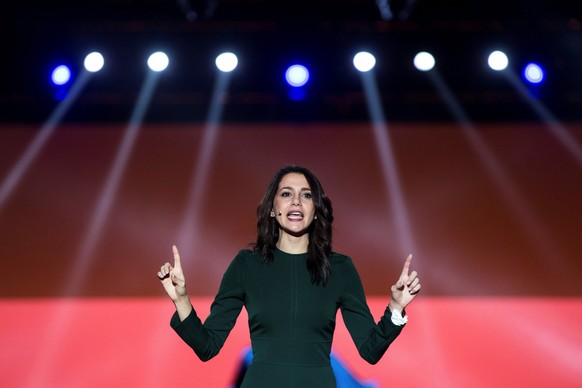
x: 320, y: 230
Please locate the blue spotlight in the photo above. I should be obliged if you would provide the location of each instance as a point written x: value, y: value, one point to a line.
x: 61, y: 75
x: 297, y: 75
x: 533, y: 73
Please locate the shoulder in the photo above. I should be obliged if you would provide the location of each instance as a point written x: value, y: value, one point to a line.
x: 340, y: 259
x: 344, y: 270
x: 341, y: 262
x: 239, y: 266
x: 247, y: 256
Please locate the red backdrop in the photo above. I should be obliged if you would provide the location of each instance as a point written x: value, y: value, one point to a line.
x: 499, y: 253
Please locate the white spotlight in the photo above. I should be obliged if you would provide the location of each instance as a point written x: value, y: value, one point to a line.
x: 226, y: 62
x: 93, y: 62
x: 424, y: 61
x: 158, y: 61
x: 364, y: 61
x: 498, y: 60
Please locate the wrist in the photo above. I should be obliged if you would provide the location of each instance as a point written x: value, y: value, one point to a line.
x: 397, y: 314
x: 182, y: 301
x: 183, y: 307
x: 394, y: 306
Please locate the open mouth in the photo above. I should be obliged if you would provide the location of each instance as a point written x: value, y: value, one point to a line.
x: 295, y: 216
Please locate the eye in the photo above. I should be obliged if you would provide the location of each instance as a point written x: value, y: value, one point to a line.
x: 285, y: 194
x: 307, y: 195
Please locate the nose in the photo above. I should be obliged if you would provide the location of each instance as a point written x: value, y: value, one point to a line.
x: 296, y: 201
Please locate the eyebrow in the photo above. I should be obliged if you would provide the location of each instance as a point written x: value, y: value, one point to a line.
x: 291, y: 188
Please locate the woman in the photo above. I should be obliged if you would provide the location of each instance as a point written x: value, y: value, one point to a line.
x: 291, y: 284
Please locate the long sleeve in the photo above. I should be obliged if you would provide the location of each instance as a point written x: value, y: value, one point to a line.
x: 371, y: 339
x: 206, y: 339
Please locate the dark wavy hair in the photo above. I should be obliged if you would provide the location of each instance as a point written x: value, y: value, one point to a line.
x: 320, y: 230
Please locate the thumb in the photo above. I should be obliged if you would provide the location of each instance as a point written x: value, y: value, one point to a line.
x: 399, y: 284
x: 177, y: 280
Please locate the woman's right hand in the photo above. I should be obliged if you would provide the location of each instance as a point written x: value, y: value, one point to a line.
x: 172, y: 278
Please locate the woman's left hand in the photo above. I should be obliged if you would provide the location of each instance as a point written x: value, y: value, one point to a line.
x: 405, y: 289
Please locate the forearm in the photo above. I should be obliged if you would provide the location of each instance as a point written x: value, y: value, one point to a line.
x: 193, y: 332
x: 379, y: 339
x: 206, y: 339
x: 183, y: 307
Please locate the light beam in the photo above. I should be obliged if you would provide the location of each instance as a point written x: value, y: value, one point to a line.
x: 509, y: 191
x: 34, y: 148
x: 189, y: 229
x: 556, y: 128
x: 392, y: 182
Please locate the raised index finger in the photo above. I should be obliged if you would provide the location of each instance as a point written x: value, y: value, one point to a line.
x: 177, y: 263
x: 407, y: 265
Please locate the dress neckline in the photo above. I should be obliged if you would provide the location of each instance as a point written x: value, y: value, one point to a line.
x: 283, y: 253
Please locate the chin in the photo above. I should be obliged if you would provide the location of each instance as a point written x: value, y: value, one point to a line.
x: 294, y: 232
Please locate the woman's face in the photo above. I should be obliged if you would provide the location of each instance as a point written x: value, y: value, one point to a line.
x: 293, y: 205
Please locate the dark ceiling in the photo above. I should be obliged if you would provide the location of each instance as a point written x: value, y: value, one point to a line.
x: 270, y: 35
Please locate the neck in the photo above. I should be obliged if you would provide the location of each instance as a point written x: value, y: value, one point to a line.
x: 293, y: 244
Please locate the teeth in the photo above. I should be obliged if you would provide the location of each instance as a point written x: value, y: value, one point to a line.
x: 295, y: 215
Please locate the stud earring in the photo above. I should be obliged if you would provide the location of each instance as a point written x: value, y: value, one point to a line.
x: 272, y: 213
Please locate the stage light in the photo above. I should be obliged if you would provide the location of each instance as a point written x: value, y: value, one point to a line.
x: 61, y: 75
x: 390, y: 9
x: 424, y: 61
x: 226, y: 62
x: 385, y: 9
x: 364, y: 61
x: 533, y: 73
x: 158, y: 61
x: 498, y: 60
x: 197, y: 9
x: 297, y: 75
x: 94, y: 62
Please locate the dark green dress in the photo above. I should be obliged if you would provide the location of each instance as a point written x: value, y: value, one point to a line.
x: 291, y: 320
